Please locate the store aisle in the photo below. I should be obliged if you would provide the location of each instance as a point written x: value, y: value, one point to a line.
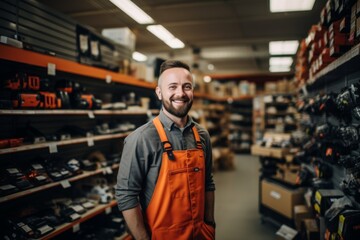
x: 236, y: 204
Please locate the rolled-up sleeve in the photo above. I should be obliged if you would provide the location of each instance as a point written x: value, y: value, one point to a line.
x: 209, y: 181
x: 130, y: 175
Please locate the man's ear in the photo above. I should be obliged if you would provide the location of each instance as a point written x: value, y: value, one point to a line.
x: 158, y: 93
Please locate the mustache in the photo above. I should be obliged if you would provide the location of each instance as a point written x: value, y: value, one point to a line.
x: 180, y: 99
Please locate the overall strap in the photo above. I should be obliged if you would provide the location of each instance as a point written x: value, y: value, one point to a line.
x: 166, y: 144
x: 197, y: 138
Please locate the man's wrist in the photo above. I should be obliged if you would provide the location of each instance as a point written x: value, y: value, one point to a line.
x: 210, y: 223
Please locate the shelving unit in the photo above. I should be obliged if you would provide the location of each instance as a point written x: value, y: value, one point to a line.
x: 241, y: 125
x: 40, y: 60
x: 85, y: 174
x: 343, y: 65
x: 66, y: 148
x: 102, y: 208
x: 270, y: 115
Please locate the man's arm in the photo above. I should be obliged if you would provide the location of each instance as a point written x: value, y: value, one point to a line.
x: 135, y: 222
x: 209, y: 206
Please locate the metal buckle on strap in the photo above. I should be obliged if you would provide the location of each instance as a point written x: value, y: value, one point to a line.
x: 170, y: 155
x: 169, y: 150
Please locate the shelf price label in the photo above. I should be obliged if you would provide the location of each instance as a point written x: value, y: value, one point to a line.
x: 107, y: 170
x: 51, y: 69
x: 65, y: 184
x: 53, y: 148
x: 91, y: 114
x: 108, y: 210
x: 76, y: 227
x: 90, y: 142
x: 108, y: 79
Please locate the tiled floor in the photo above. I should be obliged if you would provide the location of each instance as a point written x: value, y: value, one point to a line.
x: 236, y: 204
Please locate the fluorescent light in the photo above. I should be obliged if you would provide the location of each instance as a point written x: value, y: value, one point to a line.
x: 280, y: 61
x: 133, y: 11
x: 160, y: 32
x: 139, y: 57
x: 175, y: 43
x: 283, y: 47
x: 166, y: 36
x: 279, y: 69
x: 207, y: 79
x: 291, y: 5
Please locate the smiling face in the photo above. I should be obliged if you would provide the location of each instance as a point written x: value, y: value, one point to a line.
x: 175, y: 90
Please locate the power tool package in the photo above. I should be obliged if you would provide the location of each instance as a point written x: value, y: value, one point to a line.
x: 330, y: 158
x: 30, y: 91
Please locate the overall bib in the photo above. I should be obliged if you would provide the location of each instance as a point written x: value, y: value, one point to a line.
x: 176, y: 210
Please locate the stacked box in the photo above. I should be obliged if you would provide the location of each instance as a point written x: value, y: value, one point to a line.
x: 302, y: 66
x: 99, y: 51
x: 8, y: 19
x: 39, y: 28
x: 44, y: 30
x: 352, y: 23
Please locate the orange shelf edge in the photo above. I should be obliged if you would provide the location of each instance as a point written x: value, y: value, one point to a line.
x: 37, y: 59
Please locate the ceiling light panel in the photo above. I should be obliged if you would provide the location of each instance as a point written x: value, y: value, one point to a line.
x: 279, y: 69
x: 291, y: 5
x: 163, y: 34
x: 139, y: 57
x: 280, y: 61
x: 283, y: 47
x: 133, y: 11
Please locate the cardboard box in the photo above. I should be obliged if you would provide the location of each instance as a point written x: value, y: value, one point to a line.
x: 279, y: 198
x: 123, y: 36
x: 301, y: 212
x: 286, y: 233
x: 310, y: 229
x: 349, y: 225
x: 324, y: 198
x: 288, y: 173
x: 269, y: 152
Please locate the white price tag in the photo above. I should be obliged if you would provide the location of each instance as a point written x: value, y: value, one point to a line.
x: 12, y: 170
x: 51, y: 69
x: 109, y: 170
x: 53, y: 148
x: 108, y: 210
x: 76, y: 227
x: 91, y: 114
x: 37, y: 166
x: 108, y: 79
x: 304, y: 90
x: 65, y: 184
x: 90, y: 142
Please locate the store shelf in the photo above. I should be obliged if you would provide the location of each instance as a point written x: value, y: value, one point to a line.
x: 280, y: 113
x: 40, y: 60
x: 84, y: 217
x: 75, y: 112
x: 221, y: 99
x: 30, y: 191
x: 347, y: 63
x: 53, y: 145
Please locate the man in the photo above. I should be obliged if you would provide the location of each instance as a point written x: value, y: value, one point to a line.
x: 165, y: 187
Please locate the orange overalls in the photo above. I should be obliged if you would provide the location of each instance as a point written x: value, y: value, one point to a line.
x: 176, y: 209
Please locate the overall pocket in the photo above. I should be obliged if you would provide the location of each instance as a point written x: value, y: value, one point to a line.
x: 178, y: 182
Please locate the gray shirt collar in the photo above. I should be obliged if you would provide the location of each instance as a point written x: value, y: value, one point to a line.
x: 169, y: 124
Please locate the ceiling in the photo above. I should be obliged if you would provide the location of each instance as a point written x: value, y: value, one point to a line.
x: 233, y: 35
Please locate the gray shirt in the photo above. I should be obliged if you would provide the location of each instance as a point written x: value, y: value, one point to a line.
x: 141, y: 160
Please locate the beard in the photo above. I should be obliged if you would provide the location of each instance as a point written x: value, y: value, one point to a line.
x: 180, y: 111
